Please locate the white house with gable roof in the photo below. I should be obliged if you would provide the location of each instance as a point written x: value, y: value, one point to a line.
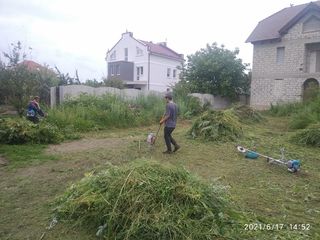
x: 143, y: 65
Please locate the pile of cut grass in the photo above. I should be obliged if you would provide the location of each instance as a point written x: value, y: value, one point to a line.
x: 217, y: 126
x: 309, y: 136
x: 247, y: 114
x: 148, y: 200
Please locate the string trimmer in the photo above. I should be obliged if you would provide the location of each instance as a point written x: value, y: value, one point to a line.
x: 293, y: 165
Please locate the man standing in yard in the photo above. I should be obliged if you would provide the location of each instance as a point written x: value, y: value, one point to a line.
x: 170, y: 119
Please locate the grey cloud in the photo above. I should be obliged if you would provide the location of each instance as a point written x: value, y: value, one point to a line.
x: 31, y: 8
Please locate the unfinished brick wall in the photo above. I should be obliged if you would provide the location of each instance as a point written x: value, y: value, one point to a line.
x: 274, y: 82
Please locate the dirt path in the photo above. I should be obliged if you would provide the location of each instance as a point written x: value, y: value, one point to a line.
x: 30, y: 191
x: 85, y: 145
x: 3, y: 161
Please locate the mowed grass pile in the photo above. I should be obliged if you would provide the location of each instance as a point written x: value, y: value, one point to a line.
x: 247, y: 114
x: 217, y: 126
x: 149, y: 200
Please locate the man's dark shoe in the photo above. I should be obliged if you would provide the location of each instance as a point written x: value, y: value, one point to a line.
x: 176, y: 148
x: 167, y: 152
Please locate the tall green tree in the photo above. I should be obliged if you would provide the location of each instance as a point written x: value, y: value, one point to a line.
x: 66, y: 79
x: 114, y: 82
x: 18, y: 82
x: 216, y: 70
x: 93, y: 83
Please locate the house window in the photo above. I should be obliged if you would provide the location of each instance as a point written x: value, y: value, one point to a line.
x: 174, y: 73
x: 111, y: 70
x: 118, y: 69
x: 168, y: 72
x: 113, y: 55
x: 126, y: 54
x: 139, y: 72
x: 280, y: 55
x: 139, y: 51
x: 314, y: 61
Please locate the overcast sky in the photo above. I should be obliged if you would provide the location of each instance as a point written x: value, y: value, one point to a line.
x: 76, y: 34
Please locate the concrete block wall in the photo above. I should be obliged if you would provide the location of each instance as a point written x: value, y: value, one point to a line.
x: 214, y: 102
x: 73, y: 91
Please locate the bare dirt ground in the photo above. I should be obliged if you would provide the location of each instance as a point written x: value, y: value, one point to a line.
x: 3, y: 161
x: 85, y: 145
x: 30, y: 191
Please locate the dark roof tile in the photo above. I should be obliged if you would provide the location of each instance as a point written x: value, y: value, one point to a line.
x: 161, y: 49
x: 270, y: 27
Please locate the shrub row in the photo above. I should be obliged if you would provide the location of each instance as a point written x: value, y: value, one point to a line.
x: 19, y: 131
x: 88, y: 113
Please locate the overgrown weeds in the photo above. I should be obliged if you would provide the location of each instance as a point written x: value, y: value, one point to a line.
x: 90, y: 113
x: 109, y: 111
x: 309, y: 136
x: 301, y: 114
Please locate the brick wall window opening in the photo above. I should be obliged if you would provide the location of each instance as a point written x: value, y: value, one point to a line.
x: 174, y: 73
x: 168, y: 72
x: 280, y: 55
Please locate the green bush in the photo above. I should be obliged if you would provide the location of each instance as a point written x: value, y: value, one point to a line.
x: 20, y: 131
x: 15, y: 131
x: 47, y: 133
x: 309, y: 136
x: 217, y: 126
x: 147, y: 200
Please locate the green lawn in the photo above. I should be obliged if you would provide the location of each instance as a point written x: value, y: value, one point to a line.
x: 265, y: 192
